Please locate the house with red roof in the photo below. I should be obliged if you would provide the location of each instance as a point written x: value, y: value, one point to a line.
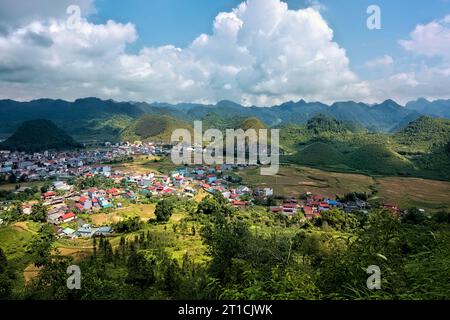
x: 392, y: 207
x: 239, y: 204
x: 49, y: 195
x: 68, y: 217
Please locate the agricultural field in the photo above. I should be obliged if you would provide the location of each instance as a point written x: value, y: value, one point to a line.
x: 294, y: 180
x: 145, y: 165
x: 417, y: 192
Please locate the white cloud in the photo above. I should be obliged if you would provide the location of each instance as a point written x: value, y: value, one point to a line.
x: 429, y: 78
x: 384, y: 61
x: 431, y: 40
x: 16, y: 12
x: 259, y: 53
x: 316, y: 5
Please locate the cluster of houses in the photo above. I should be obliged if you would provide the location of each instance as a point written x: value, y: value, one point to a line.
x: 313, y: 206
x: 52, y: 165
x: 64, y: 204
x: 61, y: 165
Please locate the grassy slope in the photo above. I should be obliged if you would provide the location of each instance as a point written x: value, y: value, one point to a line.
x: 415, y: 151
x: 153, y: 128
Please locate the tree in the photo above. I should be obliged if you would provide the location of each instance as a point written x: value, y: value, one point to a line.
x: 3, y: 261
x: 129, y: 225
x: 227, y: 238
x: 414, y: 216
x: 39, y: 213
x: 215, y: 204
x: 5, y: 281
x: 164, y: 210
x: 271, y: 202
x: 12, y: 178
x: 41, y: 246
x: 140, y: 270
x: 442, y: 217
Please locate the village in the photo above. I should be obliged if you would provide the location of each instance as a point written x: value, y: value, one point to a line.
x: 65, y: 204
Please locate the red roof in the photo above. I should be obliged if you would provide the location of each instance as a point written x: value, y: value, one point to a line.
x: 93, y: 190
x: 68, y: 216
x: 289, y: 205
x: 79, y: 206
x: 49, y: 194
x: 83, y: 199
x: 239, y: 203
x: 113, y: 190
x: 308, y: 210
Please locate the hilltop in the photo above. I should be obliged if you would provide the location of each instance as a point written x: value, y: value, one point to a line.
x: 252, y: 123
x: 103, y: 120
x: 419, y: 149
x: 153, y: 128
x: 39, y: 135
x: 424, y: 134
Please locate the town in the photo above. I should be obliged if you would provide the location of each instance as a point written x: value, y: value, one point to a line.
x: 64, y: 202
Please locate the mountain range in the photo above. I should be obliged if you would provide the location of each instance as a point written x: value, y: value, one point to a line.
x: 96, y: 119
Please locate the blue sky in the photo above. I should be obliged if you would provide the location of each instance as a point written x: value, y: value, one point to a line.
x: 260, y: 53
x: 178, y: 22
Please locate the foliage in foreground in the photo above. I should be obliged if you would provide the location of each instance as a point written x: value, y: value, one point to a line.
x: 256, y: 255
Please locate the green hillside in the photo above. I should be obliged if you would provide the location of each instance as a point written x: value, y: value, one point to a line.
x: 379, y: 159
x: 39, y: 135
x: 153, y: 128
x: 325, y: 124
x: 424, y: 134
x: 252, y: 123
x: 319, y: 153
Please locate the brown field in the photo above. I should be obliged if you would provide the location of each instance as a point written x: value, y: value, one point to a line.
x: 405, y: 192
x: 408, y: 192
x: 293, y: 181
x: 145, y: 212
x: 146, y: 165
x: 30, y: 272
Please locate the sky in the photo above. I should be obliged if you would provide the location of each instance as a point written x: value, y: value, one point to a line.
x: 254, y: 52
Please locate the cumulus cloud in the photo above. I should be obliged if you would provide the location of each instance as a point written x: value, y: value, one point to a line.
x: 384, y: 61
x: 431, y: 40
x: 431, y: 77
x: 259, y: 53
x: 15, y: 12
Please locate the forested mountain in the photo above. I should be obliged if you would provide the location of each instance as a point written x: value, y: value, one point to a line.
x: 39, y: 135
x: 96, y: 119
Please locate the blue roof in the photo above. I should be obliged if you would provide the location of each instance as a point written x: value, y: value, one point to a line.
x: 104, y: 229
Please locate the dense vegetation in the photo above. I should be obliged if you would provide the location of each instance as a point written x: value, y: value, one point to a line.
x: 153, y: 128
x: 253, y: 254
x: 94, y: 119
x: 39, y: 135
x: 419, y: 149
